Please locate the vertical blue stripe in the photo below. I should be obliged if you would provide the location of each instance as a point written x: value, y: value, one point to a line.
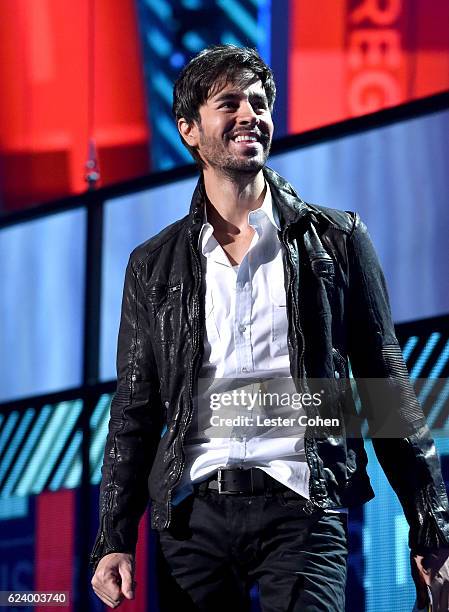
x: 97, y: 415
x: 280, y: 58
x: 172, y: 137
x: 426, y: 352
x: 98, y: 439
x: 193, y: 42
x: 96, y: 473
x: 264, y: 20
x: 158, y: 42
x: 438, y: 405
x: 164, y: 87
x: 73, y: 410
x: 74, y: 478
x: 16, y: 441
x: 45, y: 443
x: 74, y: 448
x: 442, y: 445
x: 26, y: 451
x: 97, y: 453
x: 409, y: 346
x: 366, y: 546
x: 402, y: 554
x: 161, y: 8
x: 430, y: 382
x: 242, y: 19
x: 440, y: 362
x: 7, y: 429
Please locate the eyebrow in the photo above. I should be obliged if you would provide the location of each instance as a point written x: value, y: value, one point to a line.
x: 230, y: 95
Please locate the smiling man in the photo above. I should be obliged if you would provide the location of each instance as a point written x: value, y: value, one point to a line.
x: 255, y: 284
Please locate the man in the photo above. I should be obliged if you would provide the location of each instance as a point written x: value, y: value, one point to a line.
x: 254, y: 282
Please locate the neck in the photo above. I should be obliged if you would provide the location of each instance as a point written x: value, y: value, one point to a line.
x: 230, y: 198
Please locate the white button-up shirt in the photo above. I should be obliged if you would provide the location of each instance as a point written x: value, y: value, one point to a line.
x: 246, y: 336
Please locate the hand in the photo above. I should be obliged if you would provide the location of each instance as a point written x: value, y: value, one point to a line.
x: 431, y: 570
x: 113, y: 578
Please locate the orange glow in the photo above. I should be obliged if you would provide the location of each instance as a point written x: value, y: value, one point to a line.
x: 352, y: 57
x: 44, y: 115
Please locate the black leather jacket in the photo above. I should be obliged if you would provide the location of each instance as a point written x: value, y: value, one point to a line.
x: 337, y: 307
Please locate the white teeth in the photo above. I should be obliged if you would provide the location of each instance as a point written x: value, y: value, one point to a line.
x: 246, y: 139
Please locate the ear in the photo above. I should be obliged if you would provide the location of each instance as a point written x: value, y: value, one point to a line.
x: 189, y: 132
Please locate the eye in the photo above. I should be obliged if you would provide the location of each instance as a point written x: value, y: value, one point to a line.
x: 260, y: 106
x: 227, y: 105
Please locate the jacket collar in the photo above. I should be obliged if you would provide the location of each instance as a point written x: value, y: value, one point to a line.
x: 290, y: 206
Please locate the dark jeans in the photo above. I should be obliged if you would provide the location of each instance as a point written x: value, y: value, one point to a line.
x: 219, y: 545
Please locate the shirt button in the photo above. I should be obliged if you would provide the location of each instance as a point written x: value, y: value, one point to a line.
x: 337, y: 374
x: 244, y: 369
x: 242, y: 328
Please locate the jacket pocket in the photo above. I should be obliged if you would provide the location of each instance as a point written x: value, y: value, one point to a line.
x: 165, y: 303
x: 323, y: 267
x: 159, y: 293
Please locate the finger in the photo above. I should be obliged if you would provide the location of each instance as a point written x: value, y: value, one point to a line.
x: 115, y: 600
x: 125, y: 570
x: 106, y: 599
x: 108, y: 583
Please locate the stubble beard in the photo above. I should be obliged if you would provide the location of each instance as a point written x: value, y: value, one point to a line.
x: 221, y: 159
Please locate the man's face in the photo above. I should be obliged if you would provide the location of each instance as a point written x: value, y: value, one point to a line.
x: 236, y: 129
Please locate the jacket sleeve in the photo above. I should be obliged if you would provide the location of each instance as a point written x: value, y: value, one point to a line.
x: 400, y: 435
x: 134, y: 429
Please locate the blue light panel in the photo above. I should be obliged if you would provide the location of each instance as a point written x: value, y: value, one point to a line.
x: 41, y: 322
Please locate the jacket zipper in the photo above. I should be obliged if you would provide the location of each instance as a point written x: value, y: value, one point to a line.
x: 295, y: 306
x: 299, y: 369
x: 101, y: 540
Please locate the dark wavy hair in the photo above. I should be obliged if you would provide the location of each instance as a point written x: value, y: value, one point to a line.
x: 211, y: 70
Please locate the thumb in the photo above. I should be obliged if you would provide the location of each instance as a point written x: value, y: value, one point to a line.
x: 127, y: 581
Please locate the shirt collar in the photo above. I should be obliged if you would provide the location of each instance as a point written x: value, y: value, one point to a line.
x: 267, y: 209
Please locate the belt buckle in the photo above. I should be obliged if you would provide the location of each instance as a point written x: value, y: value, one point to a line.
x: 220, y: 481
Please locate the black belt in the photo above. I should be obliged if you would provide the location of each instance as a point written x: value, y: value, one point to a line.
x: 235, y: 481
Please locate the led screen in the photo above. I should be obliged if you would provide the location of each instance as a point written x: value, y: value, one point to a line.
x: 41, y: 307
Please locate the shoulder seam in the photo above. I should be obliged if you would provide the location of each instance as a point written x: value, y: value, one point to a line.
x: 331, y: 221
x: 139, y: 263
x: 354, y: 224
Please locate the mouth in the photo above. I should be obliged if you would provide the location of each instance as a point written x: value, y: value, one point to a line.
x: 247, y: 140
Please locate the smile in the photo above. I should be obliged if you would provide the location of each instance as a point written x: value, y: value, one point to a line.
x: 245, y: 139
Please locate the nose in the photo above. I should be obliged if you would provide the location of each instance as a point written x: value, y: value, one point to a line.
x: 247, y: 114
